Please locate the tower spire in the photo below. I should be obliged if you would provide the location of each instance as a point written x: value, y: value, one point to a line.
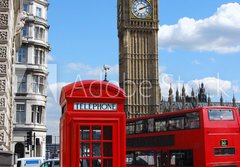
x: 221, y: 100
x: 177, y: 96
x: 192, y: 93
x: 209, y: 100
x: 170, y: 98
x: 234, y: 100
x: 183, y: 97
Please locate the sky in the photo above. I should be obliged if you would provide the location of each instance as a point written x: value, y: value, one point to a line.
x: 199, y: 42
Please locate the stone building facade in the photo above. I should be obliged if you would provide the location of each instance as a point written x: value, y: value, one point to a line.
x: 31, y: 82
x: 11, y: 21
x: 138, y: 55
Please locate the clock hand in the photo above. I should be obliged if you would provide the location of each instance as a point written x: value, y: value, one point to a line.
x: 142, y: 8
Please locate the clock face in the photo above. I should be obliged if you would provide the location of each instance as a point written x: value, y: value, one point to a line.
x: 141, y: 8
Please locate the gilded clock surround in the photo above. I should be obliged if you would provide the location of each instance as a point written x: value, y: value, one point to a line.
x: 132, y: 16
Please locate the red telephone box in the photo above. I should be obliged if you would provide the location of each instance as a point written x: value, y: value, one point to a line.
x: 92, y: 126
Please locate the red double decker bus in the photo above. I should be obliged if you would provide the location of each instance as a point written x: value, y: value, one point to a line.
x: 208, y: 136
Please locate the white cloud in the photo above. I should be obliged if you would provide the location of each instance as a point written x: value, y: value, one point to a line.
x: 218, y: 33
x: 50, y: 58
x: 87, y: 71
x: 162, y: 69
x: 214, y: 86
x: 195, y: 62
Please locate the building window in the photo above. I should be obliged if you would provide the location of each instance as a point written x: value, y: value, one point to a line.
x: 38, y: 84
x: 22, y: 55
x: 38, y: 12
x: 25, y: 7
x: 20, y: 114
x: 39, y: 57
x: 21, y: 84
x: 37, y: 112
x: 25, y: 31
x: 39, y: 33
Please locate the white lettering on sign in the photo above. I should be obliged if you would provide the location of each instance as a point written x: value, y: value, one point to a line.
x: 95, y: 106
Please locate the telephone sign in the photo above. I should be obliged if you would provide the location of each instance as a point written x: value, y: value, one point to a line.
x: 95, y: 106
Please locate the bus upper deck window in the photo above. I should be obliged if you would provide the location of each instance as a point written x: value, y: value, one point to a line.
x: 217, y: 115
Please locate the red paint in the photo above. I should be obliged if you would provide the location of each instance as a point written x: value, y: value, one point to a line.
x: 200, y: 141
x: 98, y: 135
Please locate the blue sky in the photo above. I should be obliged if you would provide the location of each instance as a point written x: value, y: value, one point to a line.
x: 199, y: 41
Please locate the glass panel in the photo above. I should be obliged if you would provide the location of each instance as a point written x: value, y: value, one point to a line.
x: 21, y: 83
x: 146, y: 157
x: 22, y: 55
x: 181, y: 157
x: 39, y: 115
x: 39, y: 12
x: 36, y: 32
x: 107, y: 133
x: 84, y: 163
x: 129, y: 158
x: 25, y: 7
x: 160, y: 125
x: 20, y: 114
x: 150, y: 125
x: 33, y: 117
x: 139, y: 126
x: 192, y: 120
x: 141, y: 158
x: 107, y: 163
x: 107, y: 149
x: 84, y: 150
x: 220, y: 115
x: 24, y: 31
x: 130, y: 127
x: 96, y: 163
x: 96, y: 134
x: 56, y: 162
x: 176, y: 123
x: 84, y: 132
x: 96, y: 149
x: 34, y: 83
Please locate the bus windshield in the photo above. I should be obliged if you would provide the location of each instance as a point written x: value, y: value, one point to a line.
x: 220, y: 115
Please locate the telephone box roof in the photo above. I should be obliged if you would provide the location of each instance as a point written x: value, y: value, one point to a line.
x: 89, y: 89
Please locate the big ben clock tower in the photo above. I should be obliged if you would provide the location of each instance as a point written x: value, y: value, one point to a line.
x: 138, y: 55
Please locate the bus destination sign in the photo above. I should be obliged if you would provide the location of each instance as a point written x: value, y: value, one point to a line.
x: 95, y: 106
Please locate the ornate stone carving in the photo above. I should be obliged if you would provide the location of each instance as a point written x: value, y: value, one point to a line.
x: 4, y: 3
x: 3, y: 19
x: 21, y: 22
x: 2, y: 102
x: 2, y: 119
x: 1, y: 136
x: 2, y: 85
x: 3, y: 68
x: 3, y: 35
x: 3, y: 51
